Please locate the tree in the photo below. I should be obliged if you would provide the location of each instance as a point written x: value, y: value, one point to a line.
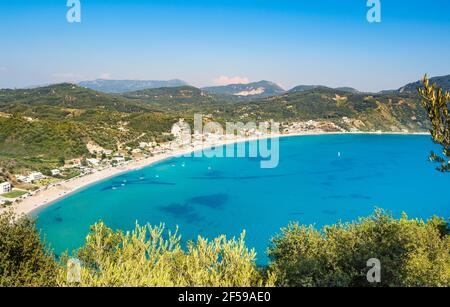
x: 411, y: 252
x: 150, y: 256
x: 24, y: 259
x: 437, y: 103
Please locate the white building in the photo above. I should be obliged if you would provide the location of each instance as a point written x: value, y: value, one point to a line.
x: 35, y: 176
x: 21, y: 178
x: 93, y: 161
x: 5, y: 187
x: 181, y: 129
x: 55, y: 172
x: 119, y: 159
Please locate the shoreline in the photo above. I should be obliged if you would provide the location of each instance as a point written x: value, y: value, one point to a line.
x: 64, y: 189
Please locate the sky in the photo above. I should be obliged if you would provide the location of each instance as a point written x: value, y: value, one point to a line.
x: 215, y: 42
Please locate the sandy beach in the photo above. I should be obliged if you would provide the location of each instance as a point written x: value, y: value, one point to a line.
x: 63, y: 189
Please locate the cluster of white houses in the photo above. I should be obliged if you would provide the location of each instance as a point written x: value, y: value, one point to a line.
x: 31, y: 178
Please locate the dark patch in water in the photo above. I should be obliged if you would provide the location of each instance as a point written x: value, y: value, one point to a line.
x: 214, y: 174
x: 359, y: 196
x: 330, y: 212
x: 182, y: 212
x: 58, y: 219
x: 135, y: 182
x: 351, y: 196
x: 297, y: 213
x: 241, y: 177
x: 214, y: 201
x: 359, y: 178
x: 335, y: 197
x: 347, y: 162
x: 331, y: 171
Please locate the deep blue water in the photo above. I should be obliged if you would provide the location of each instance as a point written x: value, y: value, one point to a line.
x: 312, y: 185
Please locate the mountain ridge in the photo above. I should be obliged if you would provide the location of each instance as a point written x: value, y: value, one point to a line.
x: 123, y: 86
x: 442, y: 81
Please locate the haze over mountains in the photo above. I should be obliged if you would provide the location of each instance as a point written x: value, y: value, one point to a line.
x: 123, y: 86
x: 244, y: 92
x: 248, y: 91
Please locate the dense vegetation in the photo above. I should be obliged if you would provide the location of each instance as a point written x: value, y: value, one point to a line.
x: 40, y: 127
x: 437, y: 103
x: 148, y: 256
x: 412, y: 253
x: 24, y: 260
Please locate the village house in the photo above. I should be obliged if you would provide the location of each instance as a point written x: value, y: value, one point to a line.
x: 5, y: 187
x: 93, y: 161
x: 30, y: 178
x: 36, y: 176
x: 119, y: 159
x: 55, y: 172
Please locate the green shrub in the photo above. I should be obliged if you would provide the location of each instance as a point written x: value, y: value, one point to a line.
x: 147, y: 257
x: 24, y: 260
x: 412, y: 253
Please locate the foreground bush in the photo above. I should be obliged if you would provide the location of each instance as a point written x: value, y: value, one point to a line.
x: 144, y: 257
x: 24, y: 260
x: 412, y: 253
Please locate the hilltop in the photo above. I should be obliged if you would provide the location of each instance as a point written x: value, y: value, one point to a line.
x: 66, y: 95
x: 443, y: 81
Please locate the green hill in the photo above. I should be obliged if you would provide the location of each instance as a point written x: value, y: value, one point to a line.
x: 67, y: 96
x: 443, y: 81
x: 40, y: 126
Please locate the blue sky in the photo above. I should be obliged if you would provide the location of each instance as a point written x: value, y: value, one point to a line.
x: 325, y: 42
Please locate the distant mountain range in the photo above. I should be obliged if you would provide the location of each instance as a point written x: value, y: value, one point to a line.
x: 254, y: 90
x: 123, y: 86
x: 442, y: 81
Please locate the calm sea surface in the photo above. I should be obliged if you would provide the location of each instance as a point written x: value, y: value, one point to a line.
x: 313, y: 184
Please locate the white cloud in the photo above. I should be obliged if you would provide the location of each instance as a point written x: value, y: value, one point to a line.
x: 224, y: 80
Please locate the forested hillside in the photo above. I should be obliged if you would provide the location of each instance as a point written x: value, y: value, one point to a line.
x: 39, y: 127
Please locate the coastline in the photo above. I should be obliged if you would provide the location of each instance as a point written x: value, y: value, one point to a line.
x: 63, y: 189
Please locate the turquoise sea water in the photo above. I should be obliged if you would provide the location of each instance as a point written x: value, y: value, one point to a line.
x: 313, y: 184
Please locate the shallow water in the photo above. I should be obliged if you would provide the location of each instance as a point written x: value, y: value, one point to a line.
x: 313, y: 184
